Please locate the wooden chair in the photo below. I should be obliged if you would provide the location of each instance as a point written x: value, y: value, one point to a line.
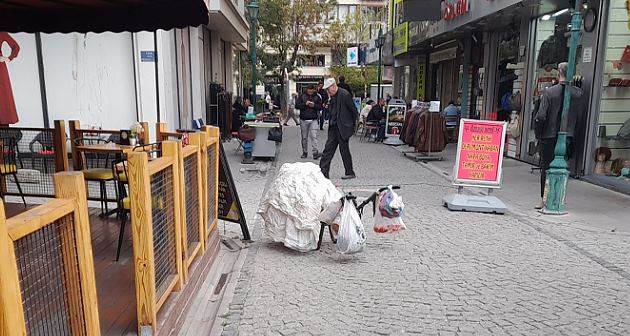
x: 96, y: 168
x: 8, y: 165
x: 119, y: 172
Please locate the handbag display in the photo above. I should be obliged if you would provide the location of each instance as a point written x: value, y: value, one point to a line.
x: 275, y: 134
x: 247, y: 133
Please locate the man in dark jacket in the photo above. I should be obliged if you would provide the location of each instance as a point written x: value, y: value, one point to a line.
x: 550, y: 115
x: 377, y: 116
x: 343, y: 119
x: 309, y: 104
x: 342, y: 84
x: 324, y: 113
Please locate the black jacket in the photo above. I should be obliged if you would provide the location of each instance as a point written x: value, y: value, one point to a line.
x: 345, y: 86
x: 551, y: 107
x: 376, y: 114
x: 343, y: 113
x: 307, y: 112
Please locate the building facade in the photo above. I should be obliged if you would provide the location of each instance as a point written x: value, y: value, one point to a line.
x: 496, y: 58
x: 110, y: 80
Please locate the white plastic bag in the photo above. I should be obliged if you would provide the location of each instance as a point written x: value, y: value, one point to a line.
x: 351, y: 238
x: 387, y: 225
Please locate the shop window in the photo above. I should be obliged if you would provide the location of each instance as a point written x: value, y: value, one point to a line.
x: 550, y: 49
x: 311, y: 60
x: 612, y: 151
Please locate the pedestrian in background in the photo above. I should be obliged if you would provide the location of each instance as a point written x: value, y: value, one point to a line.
x: 343, y: 118
x: 309, y: 104
x: 291, y: 110
x: 548, y: 120
x: 269, y: 101
x: 324, y: 113
x: 342, y: 84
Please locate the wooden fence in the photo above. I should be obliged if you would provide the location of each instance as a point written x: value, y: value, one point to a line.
x: 38, y: 153
x: 156, y: 218
x: 210, y: 155
x: 47, y: 284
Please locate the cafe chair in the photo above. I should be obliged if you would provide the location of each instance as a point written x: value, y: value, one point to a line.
x: 95, y: 168
x: 119, y: 172
x: 153, y: 150
x: 8, y: 165
x: 370, y: 130
x: 42, y: 147
x: 16, y: 135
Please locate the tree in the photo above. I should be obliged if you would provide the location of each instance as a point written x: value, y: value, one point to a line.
x: 359, y: 79
x: 287, y: 27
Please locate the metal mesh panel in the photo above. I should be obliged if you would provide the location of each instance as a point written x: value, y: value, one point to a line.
x: 192, y: 199
x: 34, y: 156
x: 212, y: 183
x: 163, y: 228
x: 48, y: 272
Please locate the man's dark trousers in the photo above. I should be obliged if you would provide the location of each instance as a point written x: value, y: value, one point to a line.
x: 335, y: 139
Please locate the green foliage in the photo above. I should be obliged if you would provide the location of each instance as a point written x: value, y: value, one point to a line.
x: 359, y: 79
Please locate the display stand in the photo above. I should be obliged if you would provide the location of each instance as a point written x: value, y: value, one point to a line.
x: 396, y: 110
x: 426, y: 156
x: 481, y: 203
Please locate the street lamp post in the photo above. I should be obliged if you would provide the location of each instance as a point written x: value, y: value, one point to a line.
x: 558, y: 174
x: 380, y: 41
x: 252, y: 8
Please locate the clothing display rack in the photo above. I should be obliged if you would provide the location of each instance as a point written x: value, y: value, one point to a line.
x: 417, y: 154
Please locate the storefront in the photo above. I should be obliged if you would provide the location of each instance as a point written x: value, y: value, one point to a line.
x: 608, y: 150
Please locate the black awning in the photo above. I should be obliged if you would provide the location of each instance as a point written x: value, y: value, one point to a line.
x: 82, y: 16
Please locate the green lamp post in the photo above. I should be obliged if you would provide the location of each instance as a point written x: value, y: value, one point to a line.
x: 252, y: 8
x: 558, y: 173
x: 380, y: 41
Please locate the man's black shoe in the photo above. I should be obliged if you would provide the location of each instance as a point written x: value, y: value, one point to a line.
x: 348, y: 177
x: 316, y: 156
x: 304, y: 155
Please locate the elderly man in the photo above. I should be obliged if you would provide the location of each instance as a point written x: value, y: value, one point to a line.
x: 343, y: 118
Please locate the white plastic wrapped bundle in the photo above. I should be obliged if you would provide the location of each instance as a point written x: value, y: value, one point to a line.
x: 292, y: 205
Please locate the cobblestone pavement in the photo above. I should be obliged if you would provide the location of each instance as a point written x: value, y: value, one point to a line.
x: 449, y: 273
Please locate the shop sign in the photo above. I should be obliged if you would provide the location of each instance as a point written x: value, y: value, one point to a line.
x: 480, y: 153
x: 352, y: 54
x: 421, y: 78
x: 401, y: 38
x: 453, y: 10
x: 395, y: 119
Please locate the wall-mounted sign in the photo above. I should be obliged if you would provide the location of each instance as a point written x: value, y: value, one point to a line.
x: 452, y: 10
x: 147, y: 56
x: 443, y: 55
x: 401, y: 38
x: 420, y: 89
x: 352, y: 56
x: 421, y: 10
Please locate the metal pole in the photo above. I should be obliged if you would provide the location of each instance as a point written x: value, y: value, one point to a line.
x: 558, y: 174
x: 254, y: 79
x: 380, y: 65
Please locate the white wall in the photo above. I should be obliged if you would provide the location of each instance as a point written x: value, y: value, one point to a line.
x: 198, y: 94
x: 89, y: 77
x: 145, y: 78
x: 167, y: 74
x: 24, y: 78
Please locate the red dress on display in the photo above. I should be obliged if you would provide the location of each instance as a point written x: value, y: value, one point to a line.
x: 8, y: 113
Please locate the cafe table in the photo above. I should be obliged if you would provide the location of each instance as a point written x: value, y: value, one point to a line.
x: 263, y: 147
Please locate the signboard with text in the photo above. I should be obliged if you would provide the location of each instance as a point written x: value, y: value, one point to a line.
x: 479, y: 153
x: 395, y: 119
x: 401, y: 38
x: 229, y: 205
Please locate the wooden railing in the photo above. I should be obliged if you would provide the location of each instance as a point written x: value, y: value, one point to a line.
x: 77, y: 132
x: 191, y: 196
x: 47, y: 284
x: 38, y: 153
x: 162, y: 134
x: 210, y: 171
x: 156, y: 218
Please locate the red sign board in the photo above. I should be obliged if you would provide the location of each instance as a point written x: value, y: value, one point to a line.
x: 480, y: 153
x: 455, y: 9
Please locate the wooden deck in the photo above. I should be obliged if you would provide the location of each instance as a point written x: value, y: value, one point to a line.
x: 114, y: 280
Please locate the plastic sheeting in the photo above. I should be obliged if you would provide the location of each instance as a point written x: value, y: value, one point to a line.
x: 291, y: 207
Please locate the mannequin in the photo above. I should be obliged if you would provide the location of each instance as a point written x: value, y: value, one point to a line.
x: 8, y: 113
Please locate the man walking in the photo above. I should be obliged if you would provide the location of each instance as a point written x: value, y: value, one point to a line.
x: 325, y: 111
x: 291, y: 110
x: 309, y: 104
x: 343, y: 118
x: 342, y: 84
x: 548, y: 120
